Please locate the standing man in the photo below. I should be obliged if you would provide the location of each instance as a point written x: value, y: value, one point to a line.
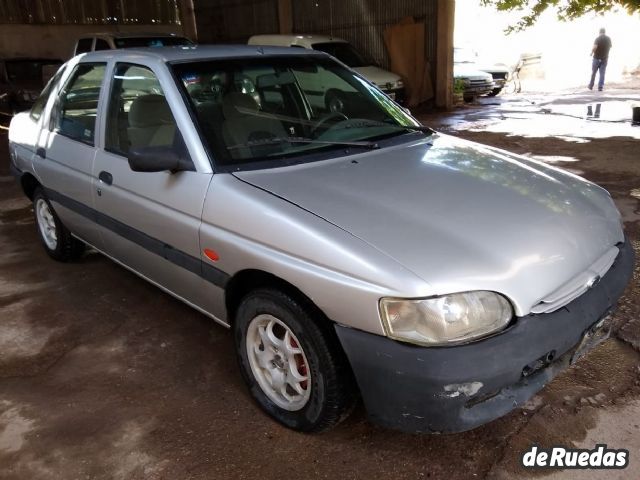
x: 600, y: 53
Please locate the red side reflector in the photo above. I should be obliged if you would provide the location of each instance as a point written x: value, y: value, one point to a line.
x: 211, y: 255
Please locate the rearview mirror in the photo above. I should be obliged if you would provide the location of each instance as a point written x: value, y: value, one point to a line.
x: 158, y: 159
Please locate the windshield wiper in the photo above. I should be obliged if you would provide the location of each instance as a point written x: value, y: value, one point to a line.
x: 417, y: 128
x: 279, y: 140
x: 371, y: 124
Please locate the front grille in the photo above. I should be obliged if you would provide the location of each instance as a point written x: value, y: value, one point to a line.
x: 578, y: 284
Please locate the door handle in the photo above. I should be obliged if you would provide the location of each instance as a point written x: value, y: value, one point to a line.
x: 41, y: 152
x: 105, y: 177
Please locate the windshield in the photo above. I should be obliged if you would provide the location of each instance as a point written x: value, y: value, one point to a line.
x: 138, y: 42
x: 345, y: 53
x: 262, y: 109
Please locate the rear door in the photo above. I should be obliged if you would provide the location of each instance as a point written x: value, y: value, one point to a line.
x: 66, y: 150
x: 151, y: 220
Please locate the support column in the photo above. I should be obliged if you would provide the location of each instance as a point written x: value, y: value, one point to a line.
x: 188, y: 17
x: 285, y: 16
x: 446, y: 11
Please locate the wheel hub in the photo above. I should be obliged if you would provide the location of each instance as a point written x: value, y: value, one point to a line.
x: 278, y: 362
x: 46, y: 224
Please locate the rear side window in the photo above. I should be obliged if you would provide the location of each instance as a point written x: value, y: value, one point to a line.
x: 139, y: 114
x: 38, y: 106
x: 84, y: 45
x: 77, y: 106
x: 101, y: 44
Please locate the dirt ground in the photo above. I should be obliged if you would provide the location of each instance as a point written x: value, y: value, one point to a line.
x: 104, y: 376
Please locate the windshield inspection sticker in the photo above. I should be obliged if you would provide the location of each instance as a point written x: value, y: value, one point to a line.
x: 601, y: 457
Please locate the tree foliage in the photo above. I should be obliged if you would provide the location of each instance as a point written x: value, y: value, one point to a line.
x: 565, y: 9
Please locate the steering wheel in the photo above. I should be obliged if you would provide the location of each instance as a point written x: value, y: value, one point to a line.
x: 326, y: 118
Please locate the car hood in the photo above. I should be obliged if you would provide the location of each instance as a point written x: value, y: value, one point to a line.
x: 461, y: 216
x: 378, y: 76
x: 462, y: 70
x: 491, y: 68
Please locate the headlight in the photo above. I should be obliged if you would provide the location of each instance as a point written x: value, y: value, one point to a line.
x: 450, y: 319
x: 399, y: 84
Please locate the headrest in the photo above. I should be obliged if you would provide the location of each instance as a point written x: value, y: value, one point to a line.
x: 150, y: 110
x: 235, y: 104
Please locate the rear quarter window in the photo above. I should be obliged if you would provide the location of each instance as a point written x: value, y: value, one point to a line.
x: 41, y: 102
x: 77, y: 106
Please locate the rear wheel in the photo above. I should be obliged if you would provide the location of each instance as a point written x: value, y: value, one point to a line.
x: 55, y: 237
x: 292, y: 362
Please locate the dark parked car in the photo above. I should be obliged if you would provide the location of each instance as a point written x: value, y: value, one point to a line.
x: 22, y: 80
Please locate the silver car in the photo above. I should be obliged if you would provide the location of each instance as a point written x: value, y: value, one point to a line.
x: 353, y: 252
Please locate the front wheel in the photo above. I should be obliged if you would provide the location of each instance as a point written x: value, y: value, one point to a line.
x: 292, y: 362
x: 55, y: 237
x: 494, y: 92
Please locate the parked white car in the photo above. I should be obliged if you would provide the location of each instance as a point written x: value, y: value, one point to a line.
x: 467, y: 60
x: 388, y: 82
x: 476, y: 82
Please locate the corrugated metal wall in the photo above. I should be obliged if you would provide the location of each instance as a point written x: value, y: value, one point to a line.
x: 84, y: 12
x: 362, y: 22
x: 234, y: 21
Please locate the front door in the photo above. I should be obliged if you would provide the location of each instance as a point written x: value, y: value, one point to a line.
x: 150, y: 220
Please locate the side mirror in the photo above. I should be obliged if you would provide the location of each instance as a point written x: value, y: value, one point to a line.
x: 158, y: 159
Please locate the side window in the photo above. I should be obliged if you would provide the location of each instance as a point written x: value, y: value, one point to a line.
x: 77, y: 106
x: 84, y: 45
x: 41, y: 101
x: 101, y: 45
x: 139, y: 114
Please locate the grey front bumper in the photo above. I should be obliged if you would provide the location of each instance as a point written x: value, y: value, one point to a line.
x: 478, y: 89
x: 453, y: 389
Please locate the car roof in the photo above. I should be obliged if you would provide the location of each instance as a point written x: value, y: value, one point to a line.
x: 130, y: 35
x: 195, y: 53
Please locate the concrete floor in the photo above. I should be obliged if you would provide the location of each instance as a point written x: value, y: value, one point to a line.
x: 104, y: 376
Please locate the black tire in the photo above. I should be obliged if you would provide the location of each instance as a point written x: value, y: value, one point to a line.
x: 494, y: 92
x: 469, y: 98
x: 67, y: 247
x: 333, y: 388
